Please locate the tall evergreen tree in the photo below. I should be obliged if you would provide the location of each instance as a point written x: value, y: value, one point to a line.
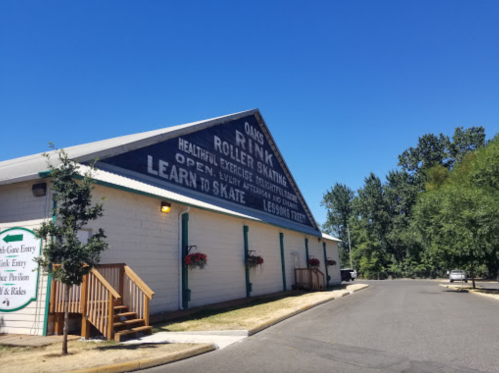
x: 372, y: 209
x: 465, y: 141
x: 382, y: 221
x: 339, y: 204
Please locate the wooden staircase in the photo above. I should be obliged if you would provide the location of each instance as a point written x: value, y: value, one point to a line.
x: 310, y: 279
x: 112, y: 298
x: 128, y: 323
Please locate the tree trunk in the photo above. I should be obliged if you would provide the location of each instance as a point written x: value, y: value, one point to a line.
x: 66, y: 320
x: 472, y: 273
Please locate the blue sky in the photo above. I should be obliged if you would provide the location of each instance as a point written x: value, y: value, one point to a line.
x: 344, y: 86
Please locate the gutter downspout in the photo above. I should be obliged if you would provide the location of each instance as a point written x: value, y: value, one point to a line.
x: 306, y: 252
x: 283, y: 266
x: 249, y: 286
x: 180, y: 258
x: 325, y: 263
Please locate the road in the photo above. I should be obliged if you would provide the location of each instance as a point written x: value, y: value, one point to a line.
x: 393, y: 326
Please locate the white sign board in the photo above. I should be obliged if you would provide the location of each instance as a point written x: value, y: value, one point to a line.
x: 18, y: 270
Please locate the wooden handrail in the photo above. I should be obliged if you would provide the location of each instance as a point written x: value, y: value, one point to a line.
x: 309, y: 278
x: 104, y: 288
x: 141, y: 284
x: 113, y: 265
x: 106, y: 284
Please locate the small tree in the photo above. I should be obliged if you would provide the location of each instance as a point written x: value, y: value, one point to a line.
x: 73, y: 210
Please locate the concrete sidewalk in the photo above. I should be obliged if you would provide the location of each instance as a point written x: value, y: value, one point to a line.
x: 219, y: 339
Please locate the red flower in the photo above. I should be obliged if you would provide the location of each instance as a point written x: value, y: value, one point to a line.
x: 314, y: 262
x: 253, y: 260
x: 195, y: 260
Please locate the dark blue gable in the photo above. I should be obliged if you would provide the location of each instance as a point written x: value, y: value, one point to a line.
x: 232, y: 161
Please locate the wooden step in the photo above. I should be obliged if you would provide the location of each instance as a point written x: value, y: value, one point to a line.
x: 143, y: 329
x: 119, y: 308
x: 126, y: 314
x: 127, y: 322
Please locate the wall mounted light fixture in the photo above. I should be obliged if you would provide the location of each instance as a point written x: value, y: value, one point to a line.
x: 166, y: 207
x: 39, y: 190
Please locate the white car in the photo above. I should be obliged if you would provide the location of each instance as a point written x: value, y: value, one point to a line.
x: 458, y: 275
x: 352, y: 272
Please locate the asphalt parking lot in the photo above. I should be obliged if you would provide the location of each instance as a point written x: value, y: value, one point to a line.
x: 393, y: 326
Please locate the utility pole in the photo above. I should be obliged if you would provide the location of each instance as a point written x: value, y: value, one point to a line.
x: 350, y: 247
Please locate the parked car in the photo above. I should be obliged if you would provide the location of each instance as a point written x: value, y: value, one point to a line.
x: 348, y: 274
x: 458, y: 275
x: 345, y: 275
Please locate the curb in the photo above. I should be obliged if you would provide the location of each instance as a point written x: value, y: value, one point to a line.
x: 203, y: 348
x: 454, y: 287
x: 225, y: 333
x: 149, y: 362
x: 270, y: 323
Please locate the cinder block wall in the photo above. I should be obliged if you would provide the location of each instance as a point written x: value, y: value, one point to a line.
x: 264, y: 240
x: 295, y: 254
x: 221, y: 238
x: 334, y: 271
x: 148, y: 241
x: 145, y: 239
x: 315, y: 248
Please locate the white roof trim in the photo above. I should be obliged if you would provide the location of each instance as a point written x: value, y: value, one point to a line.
x: 330, y: 238
x: 122, y: 182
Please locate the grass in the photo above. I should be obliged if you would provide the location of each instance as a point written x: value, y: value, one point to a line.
x: 494, y: 294
x: 81, y: 355
x: 250, y: 315
x: 491, y: 293
x: 227, y: 318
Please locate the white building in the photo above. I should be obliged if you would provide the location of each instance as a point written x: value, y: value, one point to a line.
x: 230, y: 193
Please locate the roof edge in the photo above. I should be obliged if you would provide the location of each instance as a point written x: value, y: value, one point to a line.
x: 111, y: 185
x: 123, y: 143
x: 170, y: 132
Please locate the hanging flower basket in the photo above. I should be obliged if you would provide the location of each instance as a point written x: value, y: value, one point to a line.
x: 254, y: 261
x: 331, y: 262
x: 314, y: 262
x: 196, y: 260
